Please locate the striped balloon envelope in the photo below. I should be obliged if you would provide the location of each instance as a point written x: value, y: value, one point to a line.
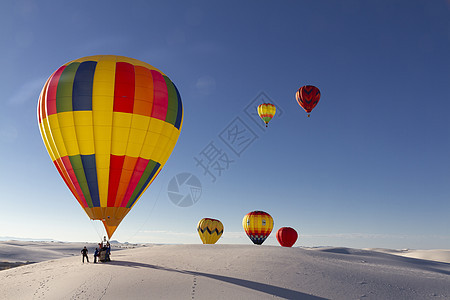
x: 209, y: 230
x: 109, y: 124
x: 266, y: 111
x: 257, y: 225
x: 307, y: 97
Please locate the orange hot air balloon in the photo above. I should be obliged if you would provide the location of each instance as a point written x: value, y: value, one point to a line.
x: 307, y: 97
x: 287, y: 236
x: 109, y: 124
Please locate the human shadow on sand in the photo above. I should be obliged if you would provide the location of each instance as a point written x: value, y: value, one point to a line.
x: 262, y: 287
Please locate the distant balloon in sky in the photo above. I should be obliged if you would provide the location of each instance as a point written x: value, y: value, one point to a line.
x: 266, y: 111
x: 257, y: 225
x: 287, y: 236
x: 109, y: 124
x: 209, y: 230
x: 307, y: 97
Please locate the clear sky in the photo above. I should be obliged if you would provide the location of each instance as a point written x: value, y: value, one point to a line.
x: 369, y: 168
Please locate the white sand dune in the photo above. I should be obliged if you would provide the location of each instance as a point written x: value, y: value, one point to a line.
x: 441, y: 255
x: 23, y: 251
x: 229, y: 272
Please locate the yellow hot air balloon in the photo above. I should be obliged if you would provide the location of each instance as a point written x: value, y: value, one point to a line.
x: 266, y: 111
x: 109, y: 124
x: 257, y: 225
x: 209, y: 230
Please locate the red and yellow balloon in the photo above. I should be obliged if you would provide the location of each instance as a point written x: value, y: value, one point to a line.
x: 109, y: 124
x: 257, y: 225
x: 307, y: 97
x: 266, y: 111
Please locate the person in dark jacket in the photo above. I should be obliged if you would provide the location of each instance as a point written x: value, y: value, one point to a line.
x: 108, y: 251
x: 85, y: 251
x: 95, y: 255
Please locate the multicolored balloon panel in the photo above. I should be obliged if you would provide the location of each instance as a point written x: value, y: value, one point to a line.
x: 287, y: 236
x: 109, y: 124
x: 307, y: 97
x: 257, y: 225
x: 209, y: 230
x: 266, y: 111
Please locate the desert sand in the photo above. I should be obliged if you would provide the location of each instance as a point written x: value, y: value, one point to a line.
x: 222, y: 271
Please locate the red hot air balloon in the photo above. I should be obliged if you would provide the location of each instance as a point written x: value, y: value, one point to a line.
x: 287, y: 236
x: 307, y: 97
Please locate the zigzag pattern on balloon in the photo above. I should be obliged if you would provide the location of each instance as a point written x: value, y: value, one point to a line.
x: 209, y: 230
x: 307, y: 97
x: 215, y: 230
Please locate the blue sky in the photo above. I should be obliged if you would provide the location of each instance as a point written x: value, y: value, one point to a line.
x: 369, y: 168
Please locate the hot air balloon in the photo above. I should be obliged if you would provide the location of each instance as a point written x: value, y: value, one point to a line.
x: 287, y: 236
x: 257, y: 225
x: 210, y: 230
x: 307, y: 97
x: 266, y: 111
x: 109, y: 124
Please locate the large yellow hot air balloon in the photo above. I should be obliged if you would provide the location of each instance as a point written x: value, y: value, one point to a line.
x: 109, y: 124
x: 210, y: 230
x: 257, y: 225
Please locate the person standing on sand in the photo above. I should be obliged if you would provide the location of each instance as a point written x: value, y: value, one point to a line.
x: 95, y: 255
x: 108, y: 251
x: 85, y: 251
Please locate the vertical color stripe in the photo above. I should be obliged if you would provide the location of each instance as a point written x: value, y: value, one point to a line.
x: 172, y: 102
x: 102, y: 116
x: 90, y: 171
x: 65, y: 88
x: 77, y: 165
x: 124, y: 88
x: 125, y: 178
x: 51, y: 92
x: 139, y: 169
x: 160, y: 97
x: 149, y: 173
x: 70, y: 171
x: 143, y: 98
x: 82, y: 86
x: 180, y: 110
x: 115, y: 170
